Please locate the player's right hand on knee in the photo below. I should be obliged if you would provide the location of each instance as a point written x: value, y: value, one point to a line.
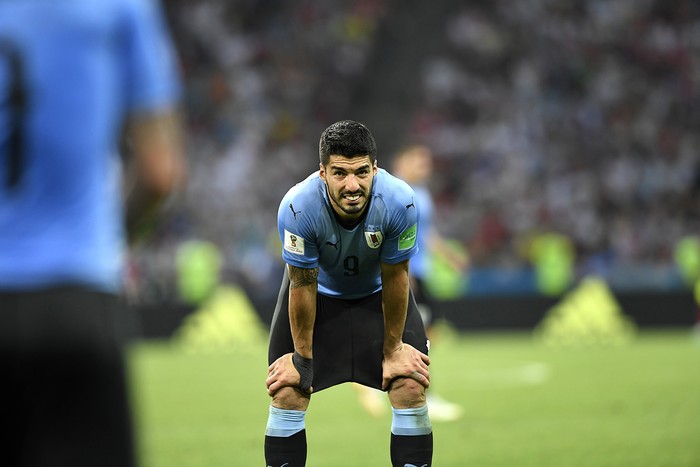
x: 290, y: 370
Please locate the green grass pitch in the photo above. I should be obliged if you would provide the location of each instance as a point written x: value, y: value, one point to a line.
x: 525, y: 404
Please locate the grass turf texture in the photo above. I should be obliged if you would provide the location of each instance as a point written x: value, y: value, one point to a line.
x: 525, y: 405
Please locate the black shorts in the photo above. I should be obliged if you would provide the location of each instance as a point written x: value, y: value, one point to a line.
x: 348, y: 337
x: 419, y: 291
x: 64, y: 393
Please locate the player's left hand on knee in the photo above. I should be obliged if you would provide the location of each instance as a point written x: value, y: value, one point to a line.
x: 405, y: 362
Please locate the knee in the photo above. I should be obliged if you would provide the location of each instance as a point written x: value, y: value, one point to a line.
x: 290, y: 399
x: 407, y: 393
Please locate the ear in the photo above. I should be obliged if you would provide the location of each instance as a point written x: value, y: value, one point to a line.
x: 322, y: 172
x: 375, y: 168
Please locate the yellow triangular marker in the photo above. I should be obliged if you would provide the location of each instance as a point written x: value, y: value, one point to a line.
x: 226, y: 321
x: 588, y: 315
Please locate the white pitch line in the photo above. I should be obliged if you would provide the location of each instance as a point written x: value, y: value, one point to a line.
x: 525, y: 374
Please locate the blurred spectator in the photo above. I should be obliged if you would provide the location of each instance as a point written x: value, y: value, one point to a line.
x: 577, y: 116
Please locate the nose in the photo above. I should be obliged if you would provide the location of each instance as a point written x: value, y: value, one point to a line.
x: 352, y: 184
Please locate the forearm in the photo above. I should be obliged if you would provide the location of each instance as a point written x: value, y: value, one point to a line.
x: 455, y: 257
x: 155, y: 168
x: 303, y: 288
x: 142, y: 208
x: 394, y: 303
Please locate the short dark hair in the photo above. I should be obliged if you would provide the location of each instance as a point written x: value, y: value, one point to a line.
x: 346, y: 138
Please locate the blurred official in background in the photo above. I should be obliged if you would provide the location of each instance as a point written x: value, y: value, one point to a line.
x: 74, y: 77
x: 414, y: 165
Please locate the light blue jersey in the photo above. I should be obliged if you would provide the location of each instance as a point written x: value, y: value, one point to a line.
x: 70, y: 71
x: 348, y: 260
x: 420, y: 264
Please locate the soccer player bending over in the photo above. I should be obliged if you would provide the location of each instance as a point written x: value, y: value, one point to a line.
x: 345, y: 312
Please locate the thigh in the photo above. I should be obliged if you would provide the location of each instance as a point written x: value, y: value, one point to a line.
x: 333, y: 351
x: 368, y: 338
x: 281, y: 341
x: 68, y: 378
x: 414, y: 330
x: 424, y: 301
x: 348, y: 337
x: 332, y: 360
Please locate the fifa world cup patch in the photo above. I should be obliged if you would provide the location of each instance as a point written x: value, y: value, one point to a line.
x: 408, y: 237
x: 293, y: 243
x: 374, y: 239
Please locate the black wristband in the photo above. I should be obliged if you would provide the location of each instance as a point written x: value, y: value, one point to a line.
x: 305, y: 368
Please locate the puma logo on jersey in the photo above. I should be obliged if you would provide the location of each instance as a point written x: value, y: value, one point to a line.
x: 293, y: 211
x: 412, y: 205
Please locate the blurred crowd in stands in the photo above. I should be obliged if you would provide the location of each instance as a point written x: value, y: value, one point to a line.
x: 580, y: 117
x: 562, y: 116
x: 262, y: 81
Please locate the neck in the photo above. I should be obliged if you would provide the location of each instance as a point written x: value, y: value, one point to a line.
x: 347, y: 222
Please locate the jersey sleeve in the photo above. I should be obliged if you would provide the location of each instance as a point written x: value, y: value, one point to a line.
x: 296, y: 226
x: 402, y: 227
x: 152, y: 81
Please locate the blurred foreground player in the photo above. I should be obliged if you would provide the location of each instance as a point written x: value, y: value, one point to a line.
x: 345, y: 311
x: 74, y: 76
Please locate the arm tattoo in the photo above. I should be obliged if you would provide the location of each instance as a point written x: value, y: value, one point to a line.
x: 301, y: 277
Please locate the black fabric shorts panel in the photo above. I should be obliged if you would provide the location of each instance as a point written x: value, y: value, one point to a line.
x: 64, y: 392
x: 348, y: 337
x: 430, y: 311
x: 420, y: 291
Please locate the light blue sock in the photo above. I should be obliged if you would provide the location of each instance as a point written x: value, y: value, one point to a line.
x: 411, y: 422
x: 283, y: 423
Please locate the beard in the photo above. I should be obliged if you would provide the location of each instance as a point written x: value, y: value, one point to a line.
x: 352, y: 209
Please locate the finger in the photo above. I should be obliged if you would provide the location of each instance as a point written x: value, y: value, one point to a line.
x: 425, y: 358
x: 424, y: 381
x: 276, y: 386
x: 385, y: 383
x: 421, y: 378
x: 271, y: 389
x: 424, y: 367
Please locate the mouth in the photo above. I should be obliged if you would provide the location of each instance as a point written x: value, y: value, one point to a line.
x: 352, y: 198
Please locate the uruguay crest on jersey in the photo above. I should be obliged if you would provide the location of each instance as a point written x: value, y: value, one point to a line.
x: 374, y: 239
